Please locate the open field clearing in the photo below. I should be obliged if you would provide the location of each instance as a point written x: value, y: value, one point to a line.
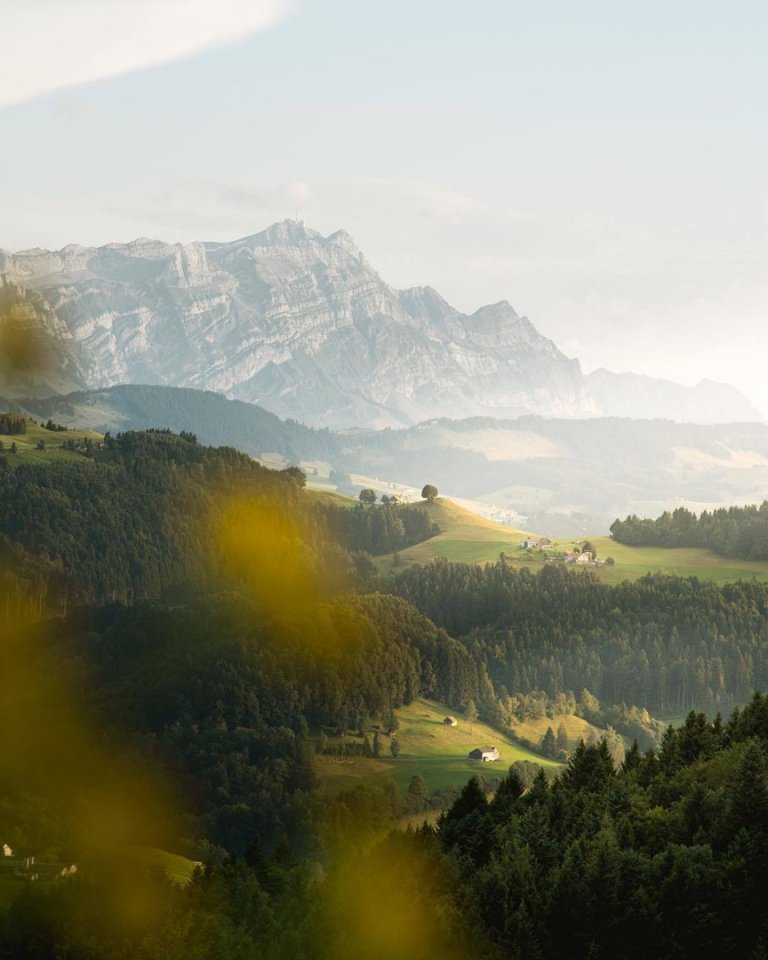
x: 28, y: 449
x: 468, y: 538
x: 430, y: 748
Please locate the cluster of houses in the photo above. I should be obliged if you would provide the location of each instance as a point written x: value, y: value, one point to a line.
x: 583, y: 559
x: 535, y: 543
x: 479, y: 753
x: 27, y: 868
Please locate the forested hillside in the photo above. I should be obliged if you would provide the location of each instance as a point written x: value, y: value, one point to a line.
x: 213, y: 418
x: 214, y: 624
x: 665, y: 858
x: 732, y: 532
x: 237, y: 743
x: 132, y: 521
x: 215, y: 567
x: 661, y: 643
x: 137, y: 518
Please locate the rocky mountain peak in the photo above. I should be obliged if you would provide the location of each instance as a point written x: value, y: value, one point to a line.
x: 286, y: 233
x: 303, y: 325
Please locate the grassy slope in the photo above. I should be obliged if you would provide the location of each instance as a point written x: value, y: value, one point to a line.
x: 330, y: 497
x: 633, y: 562
x: 576, y: 728
x: 427, y: 746
x: 26, y: 444
x: 464, y: 536
x: 472, y: 539
x: 178, y: 869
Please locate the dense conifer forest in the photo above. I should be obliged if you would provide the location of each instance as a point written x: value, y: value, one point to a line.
x: 222, y: 663
x: 662, y: 643
x: 134, y: 519
x: 238, y: 742
x: 663, y: 858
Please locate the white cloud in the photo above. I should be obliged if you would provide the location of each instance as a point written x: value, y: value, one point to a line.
x: 442, y: 204
x: 51, y: 44
x: 405, y: 197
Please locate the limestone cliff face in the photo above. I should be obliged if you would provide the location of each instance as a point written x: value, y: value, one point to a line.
x: 299, y: 323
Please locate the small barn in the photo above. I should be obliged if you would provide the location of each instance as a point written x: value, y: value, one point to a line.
x: 484, y: 753
x: 451, y: 722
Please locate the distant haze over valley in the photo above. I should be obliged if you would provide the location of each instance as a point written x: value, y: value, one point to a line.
x: 566, y: 476
x: 303, y: 326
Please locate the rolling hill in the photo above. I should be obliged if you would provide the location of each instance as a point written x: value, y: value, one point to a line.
x: 468, y: 538
x: 565, y: 477
x: 213, y: 419
x: 464, y: 536
x: 40, y: 445
x: 428, y: 747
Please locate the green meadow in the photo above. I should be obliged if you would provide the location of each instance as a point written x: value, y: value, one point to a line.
x: 468, y: 538
x: 430, y: 748
x: 464, y: 536
x: 576, y: 728
x: 28, y: 450
x: 633, y: 562
x: 178, y: 869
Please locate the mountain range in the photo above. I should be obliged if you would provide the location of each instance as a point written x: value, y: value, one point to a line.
x: 303, y: 326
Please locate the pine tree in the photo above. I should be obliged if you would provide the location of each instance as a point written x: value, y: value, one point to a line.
x: 549, y: 743
x: 470, y: 799
x: 417, y: 793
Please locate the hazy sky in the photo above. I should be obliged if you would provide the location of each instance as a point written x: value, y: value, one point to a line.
x: 601, y: 165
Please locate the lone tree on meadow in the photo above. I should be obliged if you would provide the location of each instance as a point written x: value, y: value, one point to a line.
x: 429, y: 492
x: 367, y: 496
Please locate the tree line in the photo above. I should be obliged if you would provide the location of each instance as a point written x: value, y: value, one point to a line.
x: 12, y: 423
x: 731, y: 532
x: 380, y: 529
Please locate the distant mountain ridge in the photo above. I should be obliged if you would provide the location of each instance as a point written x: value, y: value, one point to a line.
x: 302, y: 325
x: 215, y: 420
x: 564, y: 475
